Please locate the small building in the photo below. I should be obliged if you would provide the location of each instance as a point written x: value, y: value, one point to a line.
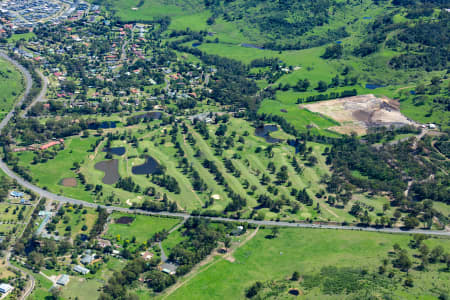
x: 146, y: 255
x: 169, y: 268
x: 103, y: 243
x: 63, y: 280
x: 238, y: 231
x: 5, y: 288
x: 16, y: 194
x: 81, y: 269
x: 87, y: 259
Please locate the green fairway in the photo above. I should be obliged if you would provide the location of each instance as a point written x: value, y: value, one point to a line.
x: 143, y: 227
x: 11, y: 87
x: 307, y: 251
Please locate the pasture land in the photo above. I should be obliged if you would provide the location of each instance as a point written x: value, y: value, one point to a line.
x: 307, y: 251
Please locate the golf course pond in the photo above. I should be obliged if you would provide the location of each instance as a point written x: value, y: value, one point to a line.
x: 119, y: 151
x: 264, y: 132
x: 150, y: 166
x: 111, y: 170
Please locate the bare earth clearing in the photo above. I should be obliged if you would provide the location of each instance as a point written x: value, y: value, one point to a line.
x: 357, y: 114
x: 69, y: 182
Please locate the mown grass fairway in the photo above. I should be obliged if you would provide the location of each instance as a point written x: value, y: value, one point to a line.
x: 143, y: 227
x: 307, y: 251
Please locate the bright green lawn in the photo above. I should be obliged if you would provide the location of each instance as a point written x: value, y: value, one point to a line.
x: 300, y: 118
x: 22, y: 36
x: 11, y: 87
x: 143, y: 227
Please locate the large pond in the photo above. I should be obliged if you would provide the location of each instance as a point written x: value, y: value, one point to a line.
x: 264, y: 132
x: 111, y: 170
x: 150, y: 166
x: 119, y: 151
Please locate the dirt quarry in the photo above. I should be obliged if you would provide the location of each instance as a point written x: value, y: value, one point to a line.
x: 357, y: 114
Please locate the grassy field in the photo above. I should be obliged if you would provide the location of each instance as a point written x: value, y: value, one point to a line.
x: 42, y: 288
x: 22, y: 36
x: 49, y: 174
x: 128, y: 10
x: 143, y: 227
x: 76, y: 219
x: 307, y: 251
x: 302, y: 119
x: 11, y: 87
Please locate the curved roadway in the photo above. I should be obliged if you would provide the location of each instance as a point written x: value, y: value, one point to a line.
x: 64, y: 199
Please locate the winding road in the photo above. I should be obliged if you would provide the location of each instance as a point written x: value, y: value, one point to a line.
x: 64, y: 199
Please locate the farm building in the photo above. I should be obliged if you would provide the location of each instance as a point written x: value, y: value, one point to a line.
x: 63, y: 280
x: 81, y: 269
x: 87, y: 259
x: 169, y: 268
x: 16, y: 194
x: 103, y: 243
x: 146, y: 255
x: 5, y: 288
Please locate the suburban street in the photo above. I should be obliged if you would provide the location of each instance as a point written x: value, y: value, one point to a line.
x: 63, y: 199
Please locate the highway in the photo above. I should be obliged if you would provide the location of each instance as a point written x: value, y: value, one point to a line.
x: 63, y: 199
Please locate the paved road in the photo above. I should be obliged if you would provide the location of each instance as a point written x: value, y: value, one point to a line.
x: 63, y: 199
x: 42, y: 93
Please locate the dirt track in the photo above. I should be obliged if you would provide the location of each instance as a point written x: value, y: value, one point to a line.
x: 357, y: 114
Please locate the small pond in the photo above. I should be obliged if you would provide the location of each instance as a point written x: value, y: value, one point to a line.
x: 111, y: 170
x: 150, y: 166
x: 102, y: 125
x: 115, y: 151
x: 155, y: 115
x: 373, y: 86
x: 252, y: 46
x: 195, y: 45
x: 264, y: 132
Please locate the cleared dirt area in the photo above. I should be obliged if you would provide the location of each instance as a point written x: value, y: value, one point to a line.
x: 69, y: 182
x: 124, y: 220
x: 357, y: 114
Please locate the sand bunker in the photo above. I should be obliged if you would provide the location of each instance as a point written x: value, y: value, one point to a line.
x: 69, y: 182
x: 357, y: 114
x: 215, y: 197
